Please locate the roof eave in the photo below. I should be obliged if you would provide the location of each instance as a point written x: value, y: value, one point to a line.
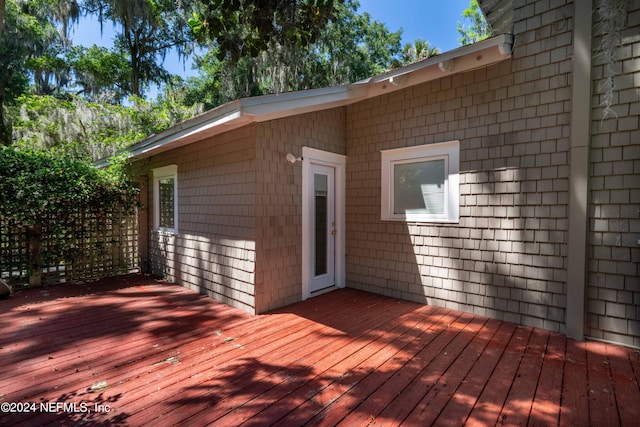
x: 238, y: 113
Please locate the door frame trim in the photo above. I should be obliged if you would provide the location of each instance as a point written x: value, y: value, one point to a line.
x: 338, y: 162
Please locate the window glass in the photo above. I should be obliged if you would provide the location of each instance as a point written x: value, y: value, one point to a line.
x: 167, y: 202
x: 421, y: 183
x: 165, y: 198
x: 419, y: 188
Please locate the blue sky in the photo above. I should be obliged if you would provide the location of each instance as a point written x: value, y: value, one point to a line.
x: 431, y: 20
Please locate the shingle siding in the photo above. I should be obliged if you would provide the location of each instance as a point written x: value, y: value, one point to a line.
x: 279, y: 200
x: 614, y: 227
x: 214, y: 250
x: 507, y: 256
x: 240, y: 206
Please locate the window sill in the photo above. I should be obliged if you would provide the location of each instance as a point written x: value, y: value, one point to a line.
x: 164, y: 232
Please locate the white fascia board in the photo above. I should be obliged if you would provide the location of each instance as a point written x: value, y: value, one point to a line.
x: 270, y: 107
x: 211, y: 122
x: 454, y: 55
x: 466, y: 58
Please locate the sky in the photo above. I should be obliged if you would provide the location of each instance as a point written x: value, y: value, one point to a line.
x: 431, y: 20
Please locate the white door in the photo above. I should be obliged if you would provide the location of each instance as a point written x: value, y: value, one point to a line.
x: 323, y: 221
x: 322, y: 227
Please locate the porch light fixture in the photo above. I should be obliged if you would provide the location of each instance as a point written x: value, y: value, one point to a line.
x: 292, y: 159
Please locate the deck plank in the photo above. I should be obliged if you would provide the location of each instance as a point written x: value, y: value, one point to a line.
x: 160, y: 354
x: 517, y: 408
x: 489, y: 405
x: 574, y: 408
x: 602, y: 404
x: 625, y: 385
x: 545, y: 410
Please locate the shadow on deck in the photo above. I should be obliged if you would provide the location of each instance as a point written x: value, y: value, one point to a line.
x: 134, y: 350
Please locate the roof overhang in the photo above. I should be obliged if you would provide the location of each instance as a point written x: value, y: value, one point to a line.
x: 257, y: 109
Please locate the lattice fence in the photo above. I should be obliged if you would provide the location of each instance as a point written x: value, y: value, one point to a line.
x: 102, y: 245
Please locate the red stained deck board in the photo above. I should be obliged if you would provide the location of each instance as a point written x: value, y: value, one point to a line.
x: 262, y: 408
x: 625, y: 385
x: 168, y: 354
x: 517, y: 407
x: 602, y: 404
x: 423, y: 376
x: 574, y: 409
x: 379, y: 388
x: 381, y: 313
x: 457, y: 410
x: 545, y: 410
x: 489, y: 405
x: 341, y: 397
x: 404, y: 328
x: 337, y: 381
x: 433, y: 403
x: 330, y: 380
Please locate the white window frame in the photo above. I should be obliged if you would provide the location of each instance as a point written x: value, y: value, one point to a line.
x: 159, y: 174
x: 450, y: 152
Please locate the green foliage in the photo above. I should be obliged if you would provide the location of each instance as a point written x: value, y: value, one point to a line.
x: 350, y: 47
x: 418, y: 51
x: 101, y: 74
x: 79, y: 129
x: 245, y: 28
x: 476, y: 29
x: 148, y: 30
x: 36, y: 186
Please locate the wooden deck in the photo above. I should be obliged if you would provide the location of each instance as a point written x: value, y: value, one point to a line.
x: 137, y: 351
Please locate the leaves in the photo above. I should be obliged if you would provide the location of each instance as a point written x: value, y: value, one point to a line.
x: 79, y: 129
x: 478, y: 28
x: 39, y: 186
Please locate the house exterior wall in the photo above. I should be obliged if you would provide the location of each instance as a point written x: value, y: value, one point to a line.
x: 279, y: 200
x: 613, y: 293
x: 214, y: 250
x: 506, y: 258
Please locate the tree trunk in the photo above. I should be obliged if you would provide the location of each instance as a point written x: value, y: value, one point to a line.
x: 3, y: 8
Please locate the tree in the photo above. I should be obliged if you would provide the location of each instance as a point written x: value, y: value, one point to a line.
x: 45, y: 59
x: 79, y: 129
x: 477, y: 28
x: 350, y: 47
x: 101, y: 74
x: 149, y: 29
x: 242, y: 28
x: 17, y: 32
x: 418, y: 51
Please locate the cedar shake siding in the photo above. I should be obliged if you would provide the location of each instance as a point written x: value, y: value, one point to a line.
x: 279, y: 200
x: 549, y: 191
x: 613, y: 293
x: 506, y: 258
x: 239, y: 211
x: 214, y: 250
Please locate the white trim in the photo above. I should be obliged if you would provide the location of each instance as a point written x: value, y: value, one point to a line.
x: 450, y: 152
x: 579, y: 174
x: 338, y: 162
x: 170, y: 171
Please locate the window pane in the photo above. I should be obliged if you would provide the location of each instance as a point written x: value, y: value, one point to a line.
x: 167, y: 203
x: 419, y: 187
x: 321, y: 203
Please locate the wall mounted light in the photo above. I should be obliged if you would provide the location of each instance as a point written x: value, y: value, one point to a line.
x: 292, y: 159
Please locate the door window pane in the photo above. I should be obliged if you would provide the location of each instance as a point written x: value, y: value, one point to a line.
x: 320, y: 183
